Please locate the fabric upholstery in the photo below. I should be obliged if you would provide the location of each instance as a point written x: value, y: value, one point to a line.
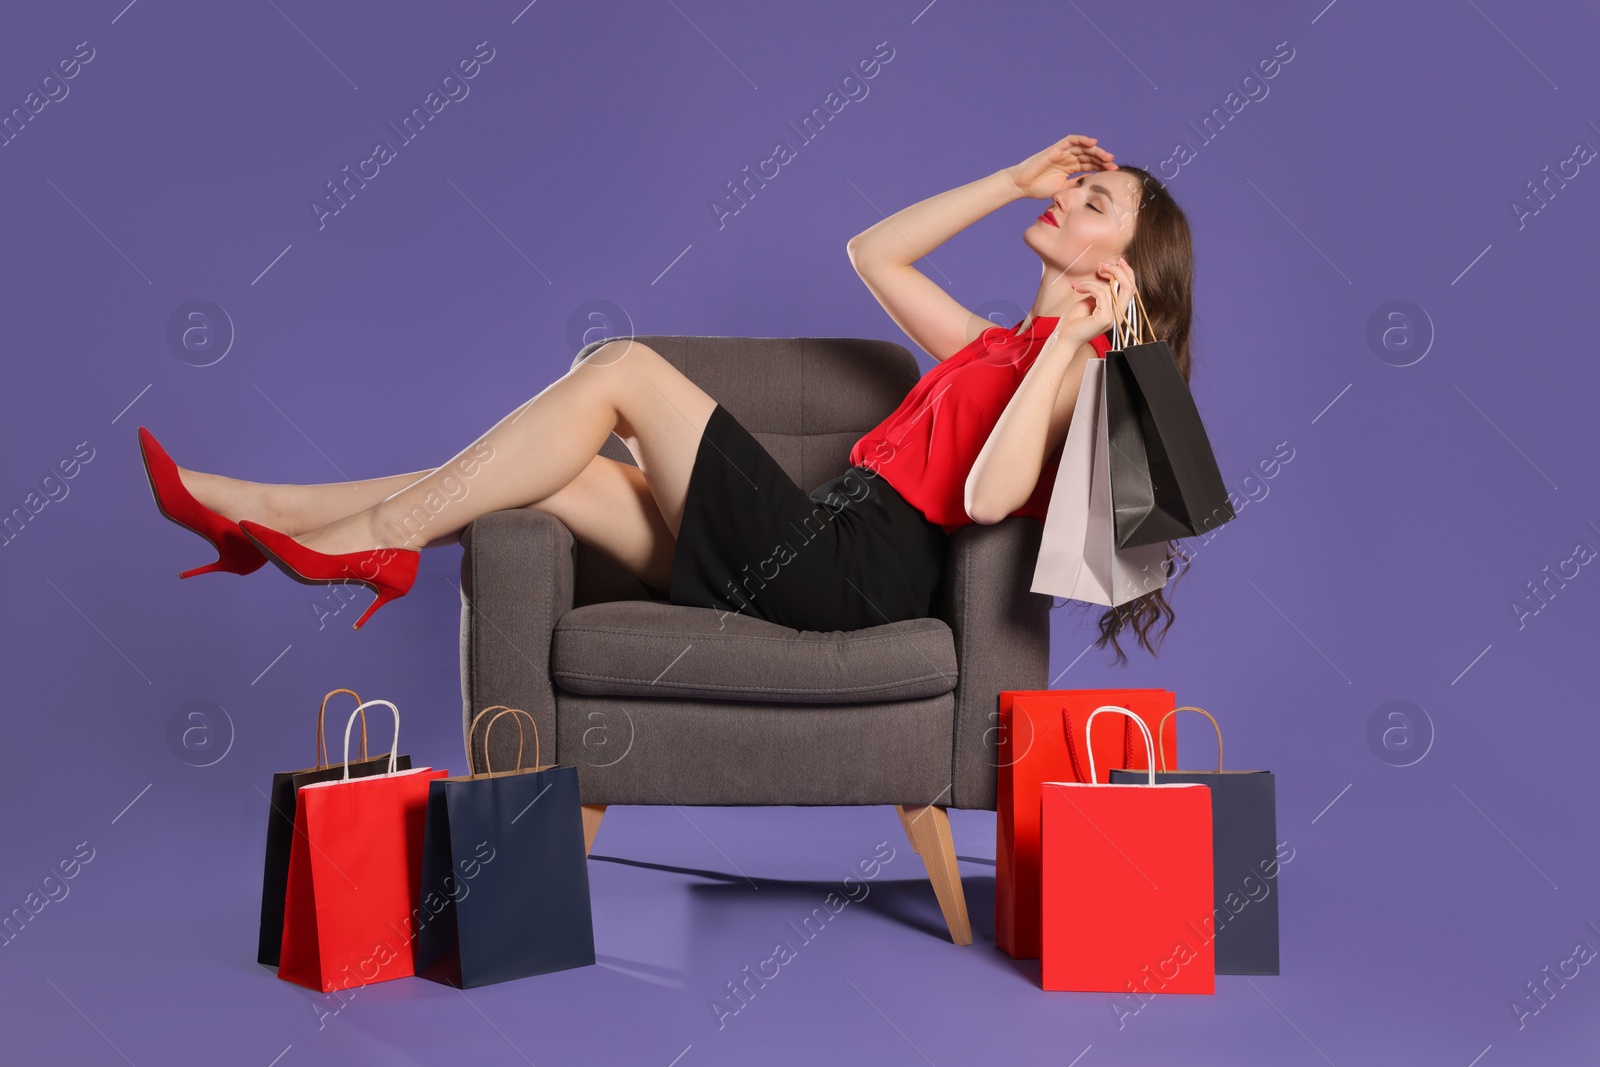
x: 1002, y: 638
x: 713, y: 752
x: 655, y: 651
x: 523, y: 562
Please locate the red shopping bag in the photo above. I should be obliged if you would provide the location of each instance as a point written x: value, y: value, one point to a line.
x: 1042, y: 739
x: 1126, y: 880
x: 355, y: 874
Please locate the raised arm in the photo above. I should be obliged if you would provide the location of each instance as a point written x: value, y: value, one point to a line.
x: 883, y: 253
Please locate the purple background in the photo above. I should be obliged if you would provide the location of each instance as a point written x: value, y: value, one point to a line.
x: 1382, y: 164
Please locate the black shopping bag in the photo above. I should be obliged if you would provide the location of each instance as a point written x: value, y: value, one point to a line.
x: 505, y: 876
x: 1164, y: 478
x: 280, y: 825
x: 1244, y: 836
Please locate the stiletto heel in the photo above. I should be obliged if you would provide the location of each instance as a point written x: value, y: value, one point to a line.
x: 384, y: 596
x: 234, y: 557
x: 235, y: 553
x: 388, y: 572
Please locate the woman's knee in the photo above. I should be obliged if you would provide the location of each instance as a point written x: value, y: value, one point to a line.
x: 620, y: 365
x: 649, y: 397
x: 621, y: 353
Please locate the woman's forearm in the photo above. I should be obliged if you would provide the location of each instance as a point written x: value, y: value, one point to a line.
x: 913, y: 232
x: 1012, y: 458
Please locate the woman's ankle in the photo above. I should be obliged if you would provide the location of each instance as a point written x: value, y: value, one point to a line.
x: 215, y: 492
x: 235, y: 498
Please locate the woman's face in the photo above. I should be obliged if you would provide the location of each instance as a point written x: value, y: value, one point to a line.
x: 1091, y: 219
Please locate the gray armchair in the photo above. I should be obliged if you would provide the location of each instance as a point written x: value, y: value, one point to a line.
x: 659, y: 703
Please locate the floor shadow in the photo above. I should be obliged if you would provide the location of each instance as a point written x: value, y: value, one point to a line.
x: 908, y: 901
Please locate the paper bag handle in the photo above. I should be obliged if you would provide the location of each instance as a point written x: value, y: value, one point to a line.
x: 1137, y: 321
x: 472, y: 728
x: 1074, y: 760
x: 322, y: 748
x: 1189, y: 707
x: 1123, y: 327
x: 394, y: 750
x: 521, y: 737
x: 488, y: 769
x: 1144, y: 318
x: 1149, y: 745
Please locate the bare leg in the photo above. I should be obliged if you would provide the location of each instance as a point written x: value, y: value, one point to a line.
x: 610, y: 507
x: 541, y: 447
x: 293, y: 509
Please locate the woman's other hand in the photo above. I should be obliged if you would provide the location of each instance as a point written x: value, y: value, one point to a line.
x: 1094, y: 315
x: 1044, y: 174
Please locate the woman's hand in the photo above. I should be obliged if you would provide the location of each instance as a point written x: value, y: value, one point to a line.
x: 1100, y: 307
x: 1044, y: 174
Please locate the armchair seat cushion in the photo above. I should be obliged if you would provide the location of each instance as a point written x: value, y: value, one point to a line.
x: 654, y: 649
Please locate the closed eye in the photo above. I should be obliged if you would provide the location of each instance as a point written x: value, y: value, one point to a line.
x: 1094, y: 193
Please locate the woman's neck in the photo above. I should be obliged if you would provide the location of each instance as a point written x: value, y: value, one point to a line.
x: 1054, y: 312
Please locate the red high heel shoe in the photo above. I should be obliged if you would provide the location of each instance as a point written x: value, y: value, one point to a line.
x: 235, y: 553
x: 388, y: 572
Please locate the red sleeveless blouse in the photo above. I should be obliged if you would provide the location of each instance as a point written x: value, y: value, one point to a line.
x: 927, y: 445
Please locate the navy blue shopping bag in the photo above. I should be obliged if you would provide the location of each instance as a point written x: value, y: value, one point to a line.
x: 505, y: 876
x: 1244, y: 864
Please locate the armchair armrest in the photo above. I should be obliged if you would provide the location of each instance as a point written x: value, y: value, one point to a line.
x: 517, y: 579
x: 1002, y: 637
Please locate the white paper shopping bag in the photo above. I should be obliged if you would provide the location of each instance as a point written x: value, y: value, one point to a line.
x: 1078, y: 554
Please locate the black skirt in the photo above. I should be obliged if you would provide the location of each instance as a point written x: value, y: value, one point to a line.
x: 850, y: 554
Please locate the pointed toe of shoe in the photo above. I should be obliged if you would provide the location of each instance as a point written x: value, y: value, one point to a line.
x: 235, y: 554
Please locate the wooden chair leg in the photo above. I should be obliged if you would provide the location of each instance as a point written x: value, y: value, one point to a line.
x: 591, y: 824
x: 906, y: 824
x: 928, y: 827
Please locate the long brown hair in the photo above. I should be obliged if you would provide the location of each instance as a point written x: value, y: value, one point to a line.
x: 1161, y: 254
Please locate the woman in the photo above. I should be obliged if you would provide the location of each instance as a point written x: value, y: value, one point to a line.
x: 707, y: 514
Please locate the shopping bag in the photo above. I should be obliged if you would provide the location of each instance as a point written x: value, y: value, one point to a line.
x: 280, y: 825
x: 354, y: 868
x: 1042, y: 737
x: 1126, y: 883
x: 1078, y: 555
x: 505, y: 876
x: 1244, y: 859
x: 1164, y: 478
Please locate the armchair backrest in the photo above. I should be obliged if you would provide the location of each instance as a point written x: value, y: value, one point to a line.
x: 806, y: 399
